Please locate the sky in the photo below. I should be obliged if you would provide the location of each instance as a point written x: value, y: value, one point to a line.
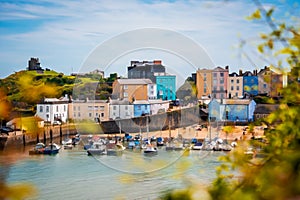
x: 64, y: 34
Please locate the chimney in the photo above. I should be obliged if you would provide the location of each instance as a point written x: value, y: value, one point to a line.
x: 240, y: 72
x: 227, y: 67
x: 157, y: 62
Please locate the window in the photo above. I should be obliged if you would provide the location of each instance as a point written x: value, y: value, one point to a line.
x: 222, y: 96
x: 79, y: 114
x: 47, y: 108
x: 125, y: 87
x: 41, y: 109
x: 215, y: 88
x: 114, y: 107
x: 96, y: 114
x: 204, y: 78
x: 90, y: 107
x: 237, y: 87
x: 95, y: 107
x: 126, y: 107
x: 56, y: 108
x: 102, y: 108
x: 237, y: 81
x: 215, y: 75
x: 74, y: 108
x: 231, y: 81
x: 222, y: 81
x: 231, y: 87
x: 90, y: 114
x: 102, y: 114
x: 236, y: 94
x: 204, y: 90
x: 78, y: 108
x: 265, y: 86
x: 74, y: 114
x: 65, y: 108
x: 125, y: 94
x: 221, y: 88
x: 222, y: 74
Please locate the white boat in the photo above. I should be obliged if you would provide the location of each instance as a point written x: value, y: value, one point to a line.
x: 197, y: 146
x: 98, y: 148
x: 150, y: 150
x: 67, y: 143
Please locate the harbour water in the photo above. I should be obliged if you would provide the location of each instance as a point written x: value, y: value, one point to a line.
x: 72, y: 174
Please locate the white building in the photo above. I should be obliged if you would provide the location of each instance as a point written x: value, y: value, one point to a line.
x: 120, y: 109
x: 53, y: 109
x: 158, y: 106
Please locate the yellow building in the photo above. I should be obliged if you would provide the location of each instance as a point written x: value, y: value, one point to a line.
x: 203, y: 83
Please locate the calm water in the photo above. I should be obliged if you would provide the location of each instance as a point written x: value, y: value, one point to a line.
x: 72, y: 174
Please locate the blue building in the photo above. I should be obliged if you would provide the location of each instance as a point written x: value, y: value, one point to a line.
x: 250, y: 81
x: 141, y: 108
x: 232, y: 109
x: 166, y: 86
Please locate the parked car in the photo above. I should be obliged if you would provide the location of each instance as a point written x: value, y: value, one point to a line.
x: 6, y: 130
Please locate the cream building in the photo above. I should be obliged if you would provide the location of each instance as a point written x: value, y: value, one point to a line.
x: 235, y: 86
x: 91, y: 110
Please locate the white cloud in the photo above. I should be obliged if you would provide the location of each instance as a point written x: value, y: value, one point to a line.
x: 69, y: 30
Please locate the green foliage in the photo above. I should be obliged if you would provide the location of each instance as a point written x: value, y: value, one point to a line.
x: 19, y: 85
x: 277, y: 174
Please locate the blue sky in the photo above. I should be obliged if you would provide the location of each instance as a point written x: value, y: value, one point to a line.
x: 62, y: 34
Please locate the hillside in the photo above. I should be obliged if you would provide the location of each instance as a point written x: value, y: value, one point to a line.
x: 26, y: 88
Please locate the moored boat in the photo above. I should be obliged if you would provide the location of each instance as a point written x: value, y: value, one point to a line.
x: 150, y: 150
x: 38, y: 149
x: 52, y: 148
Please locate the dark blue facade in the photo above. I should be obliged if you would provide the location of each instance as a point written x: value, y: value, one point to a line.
x: 250, y: 85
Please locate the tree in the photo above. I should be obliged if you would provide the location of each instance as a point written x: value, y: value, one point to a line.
x: 277, y: 174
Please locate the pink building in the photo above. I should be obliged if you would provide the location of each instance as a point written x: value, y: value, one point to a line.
x: 219, y: 82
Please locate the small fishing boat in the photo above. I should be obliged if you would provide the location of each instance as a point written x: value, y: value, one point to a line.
x: 51, y: 149
x: 150, y: 150
x: 160, y: 141
x: 197, y: 146
x: 97, y: 148
x: 38, y: 149
x: 114, y: 149
x: 67, y: 143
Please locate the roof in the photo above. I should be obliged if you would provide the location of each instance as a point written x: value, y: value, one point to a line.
x: 237, y: 101
x: 219, y: 69
x: 156, y: 101
x: 265, y: 108
x: 234, y: 74
x: 141, y: 102
x: 234, y: 101
x: 55, y: 101
x: 134, y: 81
x: 119, y: 102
